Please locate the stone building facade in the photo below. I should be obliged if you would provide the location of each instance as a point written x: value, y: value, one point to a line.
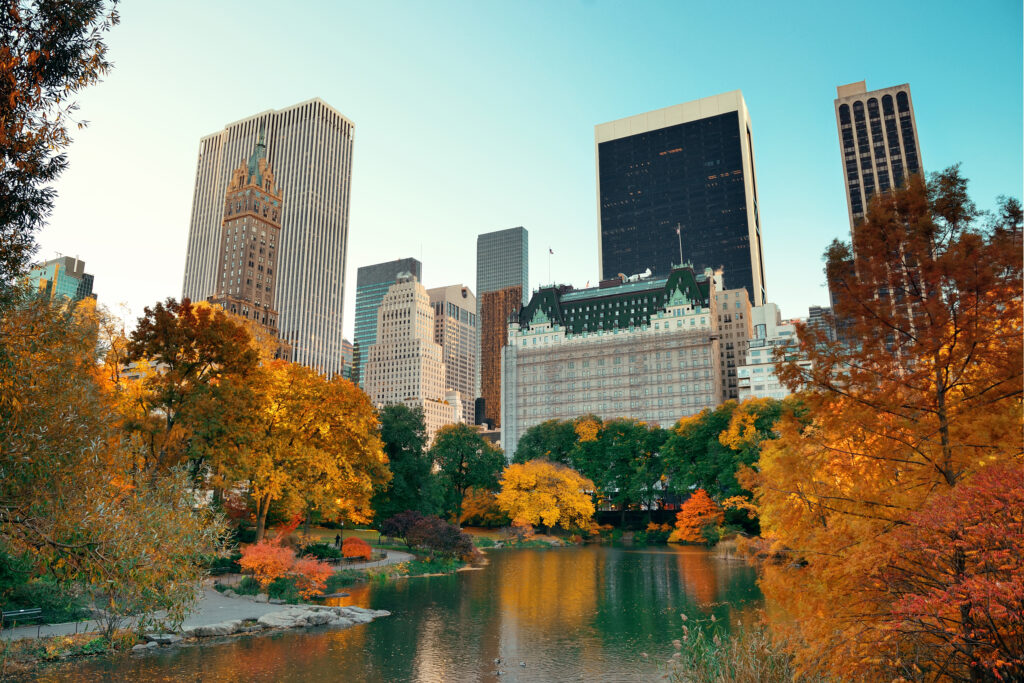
x: 735, y: 329
x: 455, y: 326
x: 647, y: 349
x: 406, y: 365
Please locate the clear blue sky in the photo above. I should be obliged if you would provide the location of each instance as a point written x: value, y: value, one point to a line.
x: 477, y: 116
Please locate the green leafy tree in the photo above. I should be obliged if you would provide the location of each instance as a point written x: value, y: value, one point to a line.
x: 465, y: 460
x: 551, y: 439
x: 412, y: 485
x: 695, y: 457
x: 50, y: 50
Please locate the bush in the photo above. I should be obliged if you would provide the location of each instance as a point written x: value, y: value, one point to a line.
x: 399, y: 525
x: 247, y: 586
x: 433, y: 565
x: 433, y: 533
x: 322, y: 551
x: 356, y: 547
x: 284, y: 588
x: 243, y: 534
x: 268, y: 561
x: 224, y: 563
x: 483, y: 542
x: 343, y: 578
x: 58, y: 602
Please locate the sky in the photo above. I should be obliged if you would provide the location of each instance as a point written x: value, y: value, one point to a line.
x: 479, y: 116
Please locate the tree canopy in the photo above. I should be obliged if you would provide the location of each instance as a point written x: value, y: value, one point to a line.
x: 543, y: 492
x: 465, y: 460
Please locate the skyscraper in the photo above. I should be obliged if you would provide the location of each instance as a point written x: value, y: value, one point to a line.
x: 502, y: 265
x: 455, y: 330
x: 405, y: 365
x: 309, y: 146
x: 250, y: 241
x: 681, y: 179
x: 62, y: 276
x: 878, y: 141
x: 372, y: 283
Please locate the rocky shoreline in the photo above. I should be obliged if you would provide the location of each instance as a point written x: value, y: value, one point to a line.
x: 295, y: 616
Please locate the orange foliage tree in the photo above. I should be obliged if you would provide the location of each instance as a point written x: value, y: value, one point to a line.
x: 356, y: 547
x: 542, y: 492
x: 697, y: 514
x: 922, y: 391
x: 269, y: 560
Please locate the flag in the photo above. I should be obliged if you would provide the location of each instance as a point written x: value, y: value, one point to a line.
x: 550, y: 251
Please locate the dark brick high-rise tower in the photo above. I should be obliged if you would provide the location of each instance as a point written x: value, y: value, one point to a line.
x: 250, y: 238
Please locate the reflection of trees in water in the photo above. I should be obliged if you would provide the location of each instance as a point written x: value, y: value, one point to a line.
x: 552, y: 589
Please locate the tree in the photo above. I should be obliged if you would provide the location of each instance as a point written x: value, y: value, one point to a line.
x: 315, y: 447
x: 71, y: 504
x: 923, y: 391
x: 356, y: 547
x: 50, y: 50
x: 622, y: 457
x: 551, y: 439
x: 271, y: 560
x: 543, y: 492
x: 465, y: 460
x: 695, y: 457
x: 399, y: 525
x: 694, y: 517
x: 957, y: 584
x: 404, y: 438
x: 197, y: 396
x: 433, y: 533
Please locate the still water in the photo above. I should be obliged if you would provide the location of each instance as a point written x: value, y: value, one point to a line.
x: 568, y: 614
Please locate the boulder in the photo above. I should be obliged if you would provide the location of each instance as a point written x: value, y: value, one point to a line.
x: 162, y: 638
x: 229, y: 593
x: 143, y: 646
x: 261, y: 597
x: 275, y: 601
x: 224, y: 628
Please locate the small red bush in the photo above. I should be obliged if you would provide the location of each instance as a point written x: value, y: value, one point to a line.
x: 356, y: 547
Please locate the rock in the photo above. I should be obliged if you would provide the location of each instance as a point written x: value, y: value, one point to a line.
x: 261, y: 597
x: 162, y: 638
x: 275, y: 601
x: 229, y: 593
x: 224, y: 628
x: 143, y: 646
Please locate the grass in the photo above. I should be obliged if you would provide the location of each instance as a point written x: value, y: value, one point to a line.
x: 19, y: 657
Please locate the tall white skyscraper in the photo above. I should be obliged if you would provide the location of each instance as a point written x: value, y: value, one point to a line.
x: 455, y: 330
x: 309, y: 145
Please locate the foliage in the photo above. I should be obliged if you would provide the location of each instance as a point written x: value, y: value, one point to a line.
x: 343, y: 578
x: 552, y: 439
x: 695, y: 516
x: 483, y: 542
x: 316, y: 446
x: 270, y: 561
x: 433, y: 565
x: 922, y: 393
x: 60, y: 603
x: 623, y: 459
x: 322, y: 551
x: 399, y: 525
x: 195, y: 398
x: 248, y: 586
x: 437, y: 535
x: 465, y: 460
x: 356, y: 547
x: 480, y: 508
x: 957, y: 585
x: 284, y: 588
x: 50, y: 50
x: 542, y: 492
x: 655, y: 534
x: 404, y: 439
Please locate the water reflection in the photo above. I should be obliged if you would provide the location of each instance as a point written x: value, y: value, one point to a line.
x: 567, y: 614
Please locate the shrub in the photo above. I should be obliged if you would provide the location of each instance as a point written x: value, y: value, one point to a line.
x: 284, y: 588
x: 269, y: 561
x: 483, y: 542
x: 356, y: 547
x: 322, y: 551
x: 247, y: 586
x: 480, y: 508
x: 343, y: 578
x: 399, y: 525
x: 433, y: 533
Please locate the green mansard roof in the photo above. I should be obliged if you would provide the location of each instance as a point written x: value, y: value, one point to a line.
x: 617, y: 307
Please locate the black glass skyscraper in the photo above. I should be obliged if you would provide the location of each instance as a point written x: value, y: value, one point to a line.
x: 677, y: 185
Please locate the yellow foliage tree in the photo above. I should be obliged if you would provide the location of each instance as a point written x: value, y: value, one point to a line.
x: 542, y: 492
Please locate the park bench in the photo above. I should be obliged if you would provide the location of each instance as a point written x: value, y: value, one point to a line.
x: 29, y: 614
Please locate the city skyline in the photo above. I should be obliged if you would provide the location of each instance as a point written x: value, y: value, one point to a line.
x: 429, y: 173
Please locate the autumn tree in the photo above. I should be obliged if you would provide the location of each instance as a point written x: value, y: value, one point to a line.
x: 50, y: 50
x: 315, y: 447
x: 695, y: 517
x: 70, y: 502
x: 197, y: 395
x: 412, y: 485
x: 465, y: 460
x: 957, y: 584
x: 922, y: 392
x: 543, y: 492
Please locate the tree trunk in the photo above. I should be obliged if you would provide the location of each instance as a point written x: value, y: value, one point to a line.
x: 262, y: 507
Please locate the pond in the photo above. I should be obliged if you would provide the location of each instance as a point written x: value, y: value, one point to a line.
x: 560, y: 614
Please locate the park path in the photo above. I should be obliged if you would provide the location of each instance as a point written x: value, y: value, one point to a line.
x: 211, y: 608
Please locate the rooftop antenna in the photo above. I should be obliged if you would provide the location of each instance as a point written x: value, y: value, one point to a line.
x: 679, y: 236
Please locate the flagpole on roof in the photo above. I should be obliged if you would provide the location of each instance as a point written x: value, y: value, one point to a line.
x: 680, y: 238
